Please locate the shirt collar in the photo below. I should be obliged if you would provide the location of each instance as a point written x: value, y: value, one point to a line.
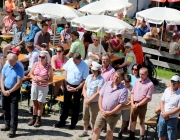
x: 147, y: 79
x: 119, y: 86
x: 108, y: 68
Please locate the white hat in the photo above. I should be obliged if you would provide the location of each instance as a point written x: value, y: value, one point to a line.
x: 33, y: 18
x: 128, y: 45
x: 95, y: 66
x: 175, y: 78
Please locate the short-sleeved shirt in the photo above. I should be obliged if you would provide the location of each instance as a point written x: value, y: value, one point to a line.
x: 171, y: 101
x: 8, y: 22
x: 34, y: 29
x: 98, y: 50
x: 19, y: 34
x: 93, y: 85
x: 137, y: 49
x: 78, y: 46
x: 142, y: 90
x: 149, y: 34
x: 112, y: 98
x: 133, y: 79
x: 41, y: 38
x: 12, y: 74
x: 67, y: 35
x: 76, y: 73
x: 108, y: 73
x: 142, y: 31
x: 33, y: 57
x: 114, y: 43
x: 130, y: 57
x: 105, y: 45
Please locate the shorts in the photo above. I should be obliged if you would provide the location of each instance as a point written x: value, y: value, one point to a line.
x: 39, y: 93
x: 139, y: 112
x: 110, y: 120
x: 125, y: 115
x: 167, y: 128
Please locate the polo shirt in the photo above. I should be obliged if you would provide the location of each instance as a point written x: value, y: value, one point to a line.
x: 41, y: 38
x: 137, y: 49
x: 8, y: 22
x: 108, y: 73
x: 34, y: 29
x: 171, y: 101
x: 11, y: 74
x: 113, y: 97
x: 142, y: 31
x: 133, y: 79
x: 93, y: 85
x: 19, y: 34
x: 76, y: 73
x: 78, y: 46
x: 130, y: 57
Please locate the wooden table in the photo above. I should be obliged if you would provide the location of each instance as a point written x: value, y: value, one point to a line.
x: 21, y: 56
x: 114, y: 58
x: 65, y: 46
x: 7, y: 36
x: 70, y: 5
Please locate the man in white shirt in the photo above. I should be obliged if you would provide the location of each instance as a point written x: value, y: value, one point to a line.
x: 170, y: 109
x: 95, y: 52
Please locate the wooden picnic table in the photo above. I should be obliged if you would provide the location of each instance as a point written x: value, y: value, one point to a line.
x: 70, y: 5
x: 114, y: 58
x: 21, y: 56
x: 7, y: 36
x: 65, y: 46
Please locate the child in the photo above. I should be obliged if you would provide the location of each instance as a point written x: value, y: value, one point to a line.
x: 125, y: 112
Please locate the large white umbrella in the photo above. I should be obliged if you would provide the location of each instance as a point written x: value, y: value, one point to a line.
x: 102, y: 23
x: 158, y: 15
x: 53, y: 10
x: 106, y: 6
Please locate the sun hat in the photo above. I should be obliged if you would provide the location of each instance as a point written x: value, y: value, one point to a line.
x: 175, y: 78
x: 128, y: 45
x: 33, y: 18
x: 18, y: 18
x: 95, y: 66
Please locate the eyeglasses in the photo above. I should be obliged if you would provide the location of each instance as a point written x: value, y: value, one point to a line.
x: 66, y: 27
x: 105, y: 37
x: 43, y: 46
x: 134, y: 69
x: 96, y: 40
x: 174, y: 82
x: 59, y: 51
x: 42, y: 57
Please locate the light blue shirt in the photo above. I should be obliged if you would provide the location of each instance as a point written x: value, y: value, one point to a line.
x: 33, y: 57
x: 133, y: 79
x: 12, y: 74
x: 92, y: 85
x: 76, y: 73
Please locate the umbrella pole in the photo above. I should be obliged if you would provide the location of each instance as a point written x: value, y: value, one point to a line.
x: 54, y: 32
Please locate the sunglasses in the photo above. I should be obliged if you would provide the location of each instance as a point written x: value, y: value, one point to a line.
x: 59, y: 51
x: 43, y: 46
x: 42, y: 57
x: 66, y: 27
x: 105, y: 37
x: 134, y: 69
x: 174, y: 82
x: 96, y: 40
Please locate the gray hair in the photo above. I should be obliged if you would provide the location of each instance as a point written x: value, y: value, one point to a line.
x: 47, y: 56
x: 134, y: 38
x: 12, y: 56
x: 107, y: 56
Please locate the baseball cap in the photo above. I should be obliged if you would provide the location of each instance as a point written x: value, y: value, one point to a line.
x: 9, y: 10
x: 18, y: 18
x: 128, y: 45
x: 175, y: 78
x: 174, y: 48
x: 33, y: 18
x: 15, y: 51
x: 44, y: 45
x: 95, y: 66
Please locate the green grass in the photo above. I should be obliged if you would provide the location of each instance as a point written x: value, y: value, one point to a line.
x: 166, y: 74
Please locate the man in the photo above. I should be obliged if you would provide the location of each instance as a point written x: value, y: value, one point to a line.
x: 141, y: 94
x: 174, y: 47
x: 42, y: 37
x: 107, y: 71
x: 137, y: 49
x: 76, y: 71
x: 170, y: 109
x: 112, y: 97
x: 19, y: 36
x: 77, y: 45
x: 152, y: 35
x: 106, y: 42
x: 11, y: 81
x: 142, y: 29
x: 95, y: 51
x: 32, y: 56
x: 130, y: 58
x: 34, y: 29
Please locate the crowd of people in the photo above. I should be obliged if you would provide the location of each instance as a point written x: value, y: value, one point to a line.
x: 108, y: 91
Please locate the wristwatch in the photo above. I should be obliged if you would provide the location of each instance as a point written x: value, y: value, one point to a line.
x: 76, y: 89
x: 137, y: 105
x: 9, y: 91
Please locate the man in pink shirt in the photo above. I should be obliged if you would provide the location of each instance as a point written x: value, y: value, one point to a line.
x: 141, y: 94
x: 107, y: 71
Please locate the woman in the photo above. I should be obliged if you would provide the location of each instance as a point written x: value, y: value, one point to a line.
x: 83, y: 3
x: 76, y: 4
x: 135, y: 73
x: 91, y: 89
x: 9, y: 4
x: 41, y: 74
x: 65, y: 34
x: 57, y: 63
x: 117, y: 43
x: 86, y: 39
x: 8, y: 21
x: 51, y: 27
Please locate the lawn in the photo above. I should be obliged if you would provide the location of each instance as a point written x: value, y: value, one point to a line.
x: 166, y: 74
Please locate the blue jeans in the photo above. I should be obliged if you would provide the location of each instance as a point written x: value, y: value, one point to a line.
x: 167, y: 128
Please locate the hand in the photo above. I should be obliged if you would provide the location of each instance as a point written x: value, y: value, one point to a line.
x: 134, y: 106
x: 6, y: 93
x: 35, y: 80
x: 165, y: 115
x: 118, y: 66
x: 102, y: 112
x: 98, y: 57
x: 107, y: 113
x: 107, y: 41
x: 155, y: 39
x: 70, y: 89
x: 13, y: 47
x: 87, y: 101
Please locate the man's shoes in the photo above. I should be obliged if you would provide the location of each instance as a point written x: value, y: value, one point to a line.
x: 11, y: 134
x: 37, y: 123
x: 5, y: 128
x: 83, y: 134
x: 2, y: 116
x: 141, y: 138
x: 131, y: 136
x: 104, y: 129
x: 59, y: 125
x: 72, y: 127
x: 32, y: 121
x: 120, y: 135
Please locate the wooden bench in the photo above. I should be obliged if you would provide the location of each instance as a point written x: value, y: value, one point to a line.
x: 22, y: 91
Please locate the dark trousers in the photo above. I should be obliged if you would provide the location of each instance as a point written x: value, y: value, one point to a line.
x: 55, y: 1
x: 10, y: 109
x: 67, y: 103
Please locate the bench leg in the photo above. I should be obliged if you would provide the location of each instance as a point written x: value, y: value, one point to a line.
x: 147, y: 131
x: 155, y: 133
x: 29, y: 96
x: 21, y: 97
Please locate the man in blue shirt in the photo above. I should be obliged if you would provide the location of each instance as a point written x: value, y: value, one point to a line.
x: 76, y: 71
x: 34, y: 29
x: 11, y: 80
x: 142, y: 29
